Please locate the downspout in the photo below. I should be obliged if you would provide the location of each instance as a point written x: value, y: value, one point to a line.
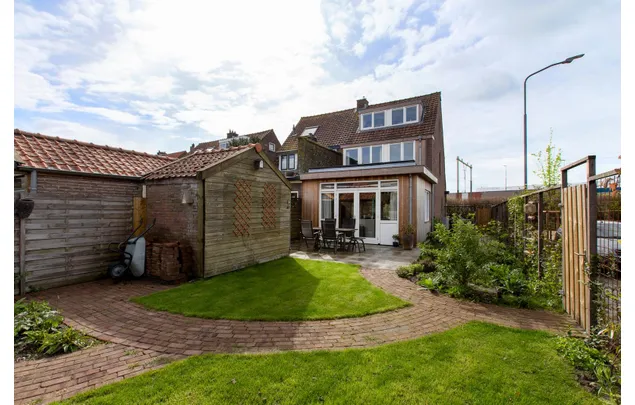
x: 420, y: 150
x: 410, y: 199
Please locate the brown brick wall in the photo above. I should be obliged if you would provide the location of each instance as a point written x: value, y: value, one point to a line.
x: 312, y: 155
x: 435, y: 161
x: 86, y: 186
x: 175, y: 221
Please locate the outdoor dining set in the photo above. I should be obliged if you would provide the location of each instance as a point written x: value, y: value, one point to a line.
x: 330, y: 235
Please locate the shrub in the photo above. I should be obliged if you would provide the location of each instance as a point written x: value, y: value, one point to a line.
x: 410, y: 270
x: 38, y: 328
x: 508, y: 280
x: 465, y: 253
x: 427, y: 283
x: 428, y: 265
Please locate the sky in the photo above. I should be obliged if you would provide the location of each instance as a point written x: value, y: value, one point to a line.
x: 161, y: 75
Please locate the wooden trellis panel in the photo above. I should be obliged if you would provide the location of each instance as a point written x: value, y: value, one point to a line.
x: 269, y: 206
x: 242, y: 207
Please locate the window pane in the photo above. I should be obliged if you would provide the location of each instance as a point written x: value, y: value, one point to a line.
x: 397, y: 116
x: 377, y: 154
x: 283, y: 165
x: 291, y: 161
x: 408, y: 151
x: 427, y: 207
x: 379, y: 119
x: 327, y: 186
x: 411, y: 113
x: 351, y: 157
x: 367, y: 121
x: 360, y: 184
x: 395, y: 152
x: 388, y: 205
x: 389, y: 183
x: 328, y: 206
x: 366, y: 155
x: 272, y: 147
x: 367, y: 214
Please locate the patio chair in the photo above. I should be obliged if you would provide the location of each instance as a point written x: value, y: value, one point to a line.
x: 308, y: 234
x: 347, y: 223
x: 353, y: 240
x: 329, y: 234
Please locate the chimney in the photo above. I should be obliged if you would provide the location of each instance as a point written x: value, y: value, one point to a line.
x: 231, y: 134
x: 192, y: 147
x: 362, y: 103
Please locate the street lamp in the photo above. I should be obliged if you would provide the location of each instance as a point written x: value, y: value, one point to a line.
x: 568, y: 60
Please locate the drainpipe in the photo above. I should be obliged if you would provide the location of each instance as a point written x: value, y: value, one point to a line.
x: 410, y: 200
x: 420, y: 150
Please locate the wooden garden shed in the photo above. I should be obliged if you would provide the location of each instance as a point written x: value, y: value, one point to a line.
x: 231, y: 206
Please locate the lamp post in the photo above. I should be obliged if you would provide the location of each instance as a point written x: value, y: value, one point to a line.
x: 566, y: 61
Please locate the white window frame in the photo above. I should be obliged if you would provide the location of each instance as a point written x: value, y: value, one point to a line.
x: 388, y: 117
x: 283, y: 158
x: 296, y: 193
x: 223, y: 145
x: 295, y: 161
x: 307, y: 131
x: 385, y: 152
x: 272, y: 147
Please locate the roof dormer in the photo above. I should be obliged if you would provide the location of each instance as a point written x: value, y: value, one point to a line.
x: 382, y: 118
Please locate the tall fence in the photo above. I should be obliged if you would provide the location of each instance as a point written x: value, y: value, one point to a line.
x: 65, y: 241
x: 586, y: 220
x: 607, y: 288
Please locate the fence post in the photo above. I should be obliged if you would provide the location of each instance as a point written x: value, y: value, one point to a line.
x: 563, y: 185
x: 592, y: 244
x: 540, y: 230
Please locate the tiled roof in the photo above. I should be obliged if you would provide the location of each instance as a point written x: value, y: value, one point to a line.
x: 214, y: 144
x: 342, y: 127
x: 55, y: 153
x: 191, y: 164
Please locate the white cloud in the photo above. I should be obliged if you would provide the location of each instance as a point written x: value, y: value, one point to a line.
x: 184, y: 71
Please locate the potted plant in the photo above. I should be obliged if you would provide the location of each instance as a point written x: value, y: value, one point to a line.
x: 407, y: 237
x: 395, y: 240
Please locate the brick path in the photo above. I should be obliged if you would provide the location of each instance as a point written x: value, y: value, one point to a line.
x: 56, y: 378
x: 103, y: 310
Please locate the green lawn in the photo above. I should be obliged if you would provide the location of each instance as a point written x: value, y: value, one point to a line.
x: 281, y: 290
x: 476, y: 363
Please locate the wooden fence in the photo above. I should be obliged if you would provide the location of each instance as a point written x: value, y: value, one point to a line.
x: 65, y: 241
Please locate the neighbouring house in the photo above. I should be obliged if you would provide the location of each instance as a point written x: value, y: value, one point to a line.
x: 230, y: 205
x: 83, y: 197
x: 173, y: 155
x: 382, y: 164
x: 268, y: 140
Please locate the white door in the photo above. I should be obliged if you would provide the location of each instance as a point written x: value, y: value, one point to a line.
x: 361, y: 205
x: 388, y: 216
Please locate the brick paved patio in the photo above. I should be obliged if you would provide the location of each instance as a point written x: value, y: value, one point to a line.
x: 103, y: 310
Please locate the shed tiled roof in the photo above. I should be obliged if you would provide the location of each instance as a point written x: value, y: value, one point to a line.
x: 214, y: 144
x: 55, y: 153
x: 191, y: 164
x: 341, y: 128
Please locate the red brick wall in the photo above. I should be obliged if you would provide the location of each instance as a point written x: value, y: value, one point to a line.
x: 175, y: 221
x: 86, y: 186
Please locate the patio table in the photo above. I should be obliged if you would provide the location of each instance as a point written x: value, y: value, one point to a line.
x: 346, y: 232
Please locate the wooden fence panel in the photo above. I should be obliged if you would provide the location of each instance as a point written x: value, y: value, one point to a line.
x: 66, y: 240
x: 574, y: 230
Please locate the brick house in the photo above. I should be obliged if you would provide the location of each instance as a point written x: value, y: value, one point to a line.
x: 390, y: 171
x: 230, y: 205
x: 268, y: 140
x: 83, y: 197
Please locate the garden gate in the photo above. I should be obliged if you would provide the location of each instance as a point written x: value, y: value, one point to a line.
x: 579, y: 227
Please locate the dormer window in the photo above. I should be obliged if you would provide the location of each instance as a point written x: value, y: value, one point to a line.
x: 223, y: 145
x: 309, y: 131
x: 388, y: 118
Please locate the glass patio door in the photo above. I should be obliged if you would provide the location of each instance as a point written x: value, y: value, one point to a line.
x: 367, y: 227
x: 346, y: 206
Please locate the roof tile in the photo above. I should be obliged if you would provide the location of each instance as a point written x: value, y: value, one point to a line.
x: 214, y: 144
x: 191, y: 164
x: 342, y: 127
x: 55, y: 153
